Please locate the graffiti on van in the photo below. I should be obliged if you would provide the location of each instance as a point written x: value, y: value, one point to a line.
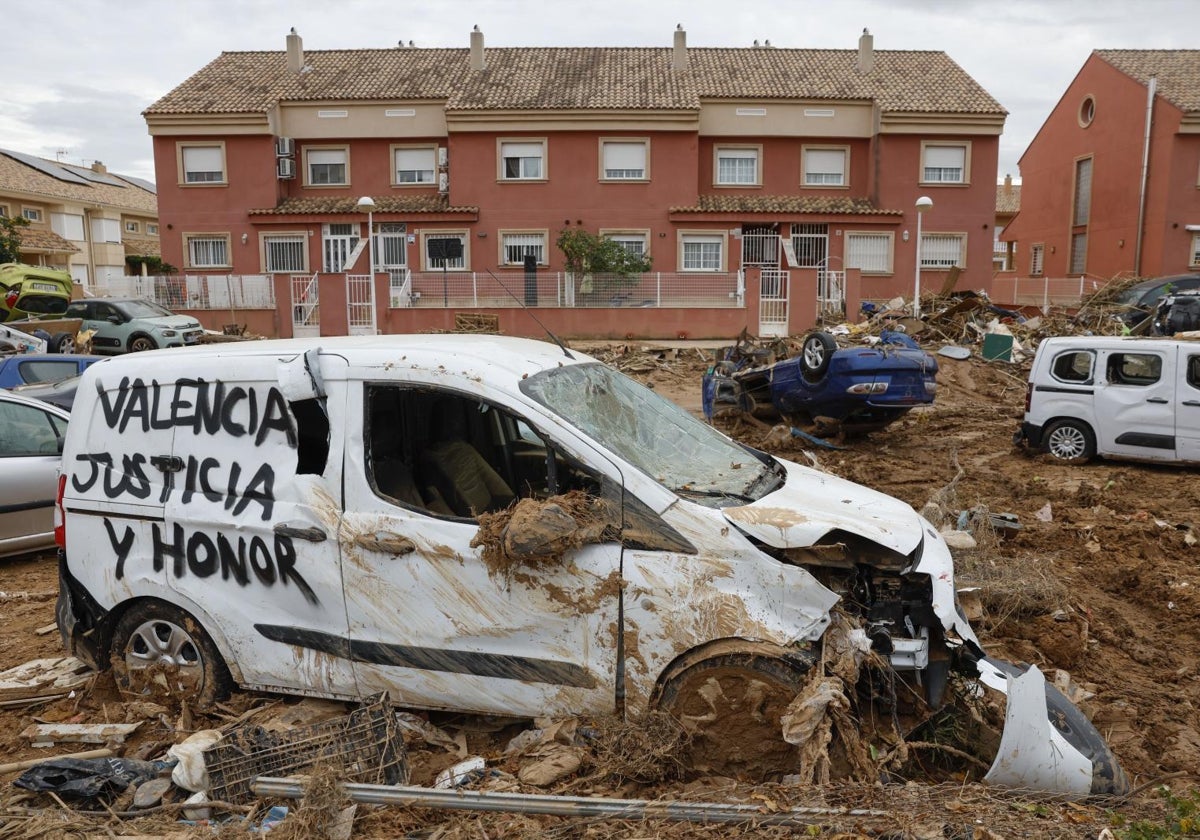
x: 207, y: 409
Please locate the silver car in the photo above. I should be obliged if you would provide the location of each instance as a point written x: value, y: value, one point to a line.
x: 31, y: 437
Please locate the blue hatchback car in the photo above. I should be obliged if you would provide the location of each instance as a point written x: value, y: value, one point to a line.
x: 854, y: 389
x: 28, y: 368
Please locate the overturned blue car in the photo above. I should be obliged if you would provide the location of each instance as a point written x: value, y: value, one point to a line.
x: 853, y: 390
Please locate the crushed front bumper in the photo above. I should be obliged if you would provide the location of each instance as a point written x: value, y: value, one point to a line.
x: 1048, y: 745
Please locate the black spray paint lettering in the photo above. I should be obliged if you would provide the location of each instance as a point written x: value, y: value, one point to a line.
x: 201, y: 555
x: 130, y: 479
x: 204, y: 407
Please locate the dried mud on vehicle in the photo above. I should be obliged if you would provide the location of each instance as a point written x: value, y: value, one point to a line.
x: 1099, y: 583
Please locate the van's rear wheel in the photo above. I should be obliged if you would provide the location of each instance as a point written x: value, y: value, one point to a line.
x: 1070, y: 441
x: 731, y: 705
x: 154, y: 638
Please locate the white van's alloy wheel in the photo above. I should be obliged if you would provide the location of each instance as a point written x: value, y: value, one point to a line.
x: 157, y: 644
x: 1070, y: 441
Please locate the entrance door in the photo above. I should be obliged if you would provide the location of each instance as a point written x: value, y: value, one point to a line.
x: 306, y: 306
x: 337, y: 244
x: 760, y: 246
x: 773, y: 303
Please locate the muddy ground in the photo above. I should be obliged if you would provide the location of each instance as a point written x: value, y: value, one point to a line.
x: 1100, y: 582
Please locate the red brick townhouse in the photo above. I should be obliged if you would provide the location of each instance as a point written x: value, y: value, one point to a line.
x: 1111, y: 181
x: 763, y: 183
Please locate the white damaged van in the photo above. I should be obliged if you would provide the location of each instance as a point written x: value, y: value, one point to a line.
x: 302, y: 517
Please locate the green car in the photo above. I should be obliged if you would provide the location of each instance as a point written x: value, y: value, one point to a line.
x: 128, y: 325
x: 32, y: 291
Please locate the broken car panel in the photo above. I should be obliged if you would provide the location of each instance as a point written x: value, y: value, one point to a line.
x: 305, y: 517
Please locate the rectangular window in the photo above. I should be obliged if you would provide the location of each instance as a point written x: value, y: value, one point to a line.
x: 203, y: 164
x: 326, y: 167
x: 517, y: 246
x: 284, y: 254
x: 944, y: 164
x: 3, y: 211
x: 522, y: 161
x: 391, y: 245
x: 1078, y: 253
x: 634, y: 243
x: 1195, y: 260
x: 702, y: 253
x: 623, y: 160
x: 445, y: 250
x: 870, y: 253
x: 415, y: 166
x: 151, y: 229
x: 825, y: 167
x: 737, y: 166
x: 208, y: 251
x: 1036, y: 252
x: 132, y: 227
x: 32, y: 214
x: 1083, y: 191
x: 68, y: 226
x: 943, y: 250
x: 1140, y: 369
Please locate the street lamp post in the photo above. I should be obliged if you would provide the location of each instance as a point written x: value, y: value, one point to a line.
x: 923, y: 203
x: 367, y: 203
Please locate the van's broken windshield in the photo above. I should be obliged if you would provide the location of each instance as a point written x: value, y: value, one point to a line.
x: 654, y: 434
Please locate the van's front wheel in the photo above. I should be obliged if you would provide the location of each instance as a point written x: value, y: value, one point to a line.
x: 731, y: 704
x: 1070, y: 441
x: 154, y: 638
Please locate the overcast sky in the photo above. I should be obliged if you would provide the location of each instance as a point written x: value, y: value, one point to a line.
x: 78, y: 73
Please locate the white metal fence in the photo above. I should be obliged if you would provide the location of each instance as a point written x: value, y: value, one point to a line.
x: 195, y: 291
x: 435, y: 289
x: 1044, y: 291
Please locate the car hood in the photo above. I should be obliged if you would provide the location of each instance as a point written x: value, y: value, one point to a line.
x: 170, y: 322
x: 810, y: 504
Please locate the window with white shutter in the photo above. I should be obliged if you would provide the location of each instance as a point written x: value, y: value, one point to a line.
x: 870, y: 253
x: 623, y: 160
x: 944, y: 164
x: 327, y: 167
x: 415, y: 166
x: 737, y: 166
x: 943, y: 250
x: 203, y: 164
x: 825, y: 167
x: 522, y: 161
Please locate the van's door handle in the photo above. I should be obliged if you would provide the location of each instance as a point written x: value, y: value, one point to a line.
x: 166, y: 463
x: 1193, y: 403
x: 386, y: 543
x: 307, y: 534
x: 1158, y: 400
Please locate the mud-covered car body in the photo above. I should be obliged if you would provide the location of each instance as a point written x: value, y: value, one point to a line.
x: 31, y: 291
x: 862, y: 387
x: 311, y: 514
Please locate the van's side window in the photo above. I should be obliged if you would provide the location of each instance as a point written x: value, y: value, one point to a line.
x: 1193, y: 371
x: 312, y: 436
x: 1075, y: 366
x: 1138, y: 369
x: 456, y: 455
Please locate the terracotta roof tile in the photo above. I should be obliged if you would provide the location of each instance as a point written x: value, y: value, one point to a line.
x: 618, y: 78
x: 1008, y: 198
x: 1178, y: 72
x: 383, y: 204
x: 35, y: 239
x: 786, y: 204
x: 18, y: 177
x: 136, y: 247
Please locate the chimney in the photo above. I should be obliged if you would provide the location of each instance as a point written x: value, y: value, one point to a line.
x: 1007, y: 184
x: 99, y: 168
x: 477, y: 62
x: 295, y: 51
x: 679, y: 61
x: 866, y: 52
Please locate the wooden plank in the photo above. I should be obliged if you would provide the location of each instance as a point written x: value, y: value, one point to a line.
x: 14, y: 766
x: 44, y: 734
x: 43, y: 676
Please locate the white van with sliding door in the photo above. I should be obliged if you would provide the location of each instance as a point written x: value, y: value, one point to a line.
x: 504, y: 526
x: 1117, y: 397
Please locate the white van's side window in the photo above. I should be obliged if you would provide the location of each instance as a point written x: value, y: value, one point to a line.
x: 1138, y: 369
x: 455, y: 455
x: 1193, y: 371
x: 1075, y: 366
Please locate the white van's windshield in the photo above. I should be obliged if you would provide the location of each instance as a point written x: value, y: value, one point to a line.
x: 654, y: 434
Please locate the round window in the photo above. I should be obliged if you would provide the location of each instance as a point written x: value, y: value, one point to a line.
x: 1087, y: 111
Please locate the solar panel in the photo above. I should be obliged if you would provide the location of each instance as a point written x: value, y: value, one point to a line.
x: 94, y: 176
x: 148, y: 186
x: 46, y: 167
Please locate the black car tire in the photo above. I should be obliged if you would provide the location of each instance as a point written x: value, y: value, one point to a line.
x: 141, y: 342
x: 153, y: 636
x: 63, y: 342
x: 815, y: 354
